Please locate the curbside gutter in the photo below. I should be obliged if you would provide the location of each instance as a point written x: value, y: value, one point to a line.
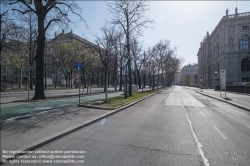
x: 41, y: 142
x: 229, y: 102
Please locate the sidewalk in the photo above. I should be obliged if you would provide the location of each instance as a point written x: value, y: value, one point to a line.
x: 239, y: 100
x: 10, y: 97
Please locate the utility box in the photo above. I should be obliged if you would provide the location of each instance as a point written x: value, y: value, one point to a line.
x: 134, y: 89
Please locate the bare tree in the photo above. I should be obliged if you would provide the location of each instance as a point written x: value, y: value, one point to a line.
x: 171, y: 64
x: 160, y: 53
x: 120, y: 53
x: 136, y: 49
x: 29, y: 33
x: 49, y: 13
x: 106, y: 49
x: 142, y: 60
x: 55, y: 60
x: 7, y: 29
x: 129, y: 16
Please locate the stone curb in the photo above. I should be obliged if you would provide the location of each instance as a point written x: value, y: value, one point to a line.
x: 41, y: 142
x: 229, y: 102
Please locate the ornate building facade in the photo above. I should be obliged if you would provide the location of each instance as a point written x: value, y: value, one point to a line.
x: 227, y: 47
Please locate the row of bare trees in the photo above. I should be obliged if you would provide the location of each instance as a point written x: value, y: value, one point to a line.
x: 118, y: 46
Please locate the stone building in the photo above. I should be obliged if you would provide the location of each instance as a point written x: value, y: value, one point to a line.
x: 189, y: 70
x: 65, y: 38
x: 178, y: 77
x: 227, y: 47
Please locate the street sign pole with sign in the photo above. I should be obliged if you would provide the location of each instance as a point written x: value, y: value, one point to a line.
x: 79, y: 68
x: 223, y: 81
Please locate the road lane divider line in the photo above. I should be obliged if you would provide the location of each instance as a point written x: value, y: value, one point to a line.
x: 205, y: 160
x: 202, y: 114
x: 223, y: 136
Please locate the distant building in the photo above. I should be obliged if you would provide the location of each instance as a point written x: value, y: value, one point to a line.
x: 178, y: 76
x: 227, y: 47
x: 189, y: 74
x: 65, y: 38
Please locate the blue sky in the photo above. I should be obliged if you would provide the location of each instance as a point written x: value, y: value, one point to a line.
x: 184, y: 23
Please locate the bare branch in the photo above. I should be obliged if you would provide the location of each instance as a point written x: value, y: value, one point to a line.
x: 23, y: 12
x: 53, y: 20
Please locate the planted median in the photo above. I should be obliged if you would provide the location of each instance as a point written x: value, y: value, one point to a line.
x: 120, y: 101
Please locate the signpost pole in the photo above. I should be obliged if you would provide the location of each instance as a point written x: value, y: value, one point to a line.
x: 79, y: 68
x: 223, y: 81
x: 201, y: 80
x: 79, y: 88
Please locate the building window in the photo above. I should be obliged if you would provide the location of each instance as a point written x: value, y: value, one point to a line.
x: 244, y: 43
x: 245, y: 27
x: 245, y: 64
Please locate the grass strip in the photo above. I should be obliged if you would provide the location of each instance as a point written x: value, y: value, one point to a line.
x: 120, y: 101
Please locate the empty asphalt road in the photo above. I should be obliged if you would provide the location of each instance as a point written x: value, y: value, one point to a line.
x: 175, y: 127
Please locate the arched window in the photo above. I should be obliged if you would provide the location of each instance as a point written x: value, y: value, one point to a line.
x: 245, y: 64
x: 244, y: 43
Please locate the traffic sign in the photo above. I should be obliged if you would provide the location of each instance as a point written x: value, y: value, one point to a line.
x: 223, y: 79
x: 201, y: 78
x: 78, y: 66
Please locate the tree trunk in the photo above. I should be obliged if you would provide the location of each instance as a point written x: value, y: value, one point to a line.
x: 55, y: 80
x: 84, y: 79
x: 71, y: 85
x: 105, y: 78
x: 102, y: 80
x: 20, y: 78
x: 158, y: 78
x: 98, y: 79
x: 135, y: 80
x: 39, y: 90
x: 31, y: 82
x: 144, y: 85
x: 108, y: 79
x: 120, y: 89
x: 163, y: 81
x: 139, y: 79
x: 66, y: 80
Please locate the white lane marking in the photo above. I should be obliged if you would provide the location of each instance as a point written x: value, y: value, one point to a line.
x: 205, y: 160
x: 223, y: 136
x: 202, y: 114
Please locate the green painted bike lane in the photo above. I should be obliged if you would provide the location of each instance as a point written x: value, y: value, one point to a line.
x: 36, y: 107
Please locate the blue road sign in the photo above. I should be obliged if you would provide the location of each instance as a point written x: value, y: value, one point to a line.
x: 78, y: 66
x: 126, y: 71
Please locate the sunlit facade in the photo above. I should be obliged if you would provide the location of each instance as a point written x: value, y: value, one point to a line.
x: 227, y: 47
